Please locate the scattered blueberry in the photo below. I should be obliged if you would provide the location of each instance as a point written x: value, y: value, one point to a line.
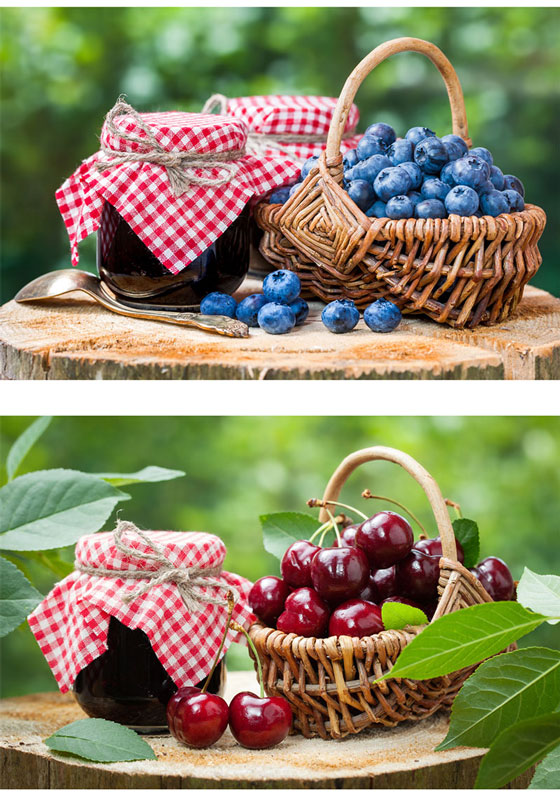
x: 434, y: 189
x: 280, y: 195
x: 276, y: 318
x: 378, y: 209
x: 361, y: 192
x: 218, y: 303
x: 300, y: 309
x: 497, y: 178
x: 430, y: 209
x: 494, y: 203
x: 383, y: 131
x: 516, y: 202
x: 350, y: 159
x: 415, y: 173
x: 470, y: 171
x: 308, y: 166
x: 400, y: 207
x: 340, y: 316
x: 391, y: 182
x: 462, y: 200
x: 511, y: 182
x: 370, y: 146
x: 483, y: 153
x: 281, y: 286
x: 431, y: 155
x: 382, y: 316
x: 248, y: 309
x: 400, y: 151
x: 369, y: 168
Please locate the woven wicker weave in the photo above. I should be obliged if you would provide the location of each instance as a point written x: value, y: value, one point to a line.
x: 462, y: 271
x: 326, y: 681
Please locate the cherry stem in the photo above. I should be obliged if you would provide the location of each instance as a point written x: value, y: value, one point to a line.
x: 367, y: 495
x: 231, y: 604
x: 456, y: 506
x: 314, y: 503
x: 321, y: 529
x: 235, y: 626
x: 327, y: 529
x: 333, y: 521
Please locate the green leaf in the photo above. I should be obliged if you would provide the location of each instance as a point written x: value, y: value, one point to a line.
x: 516, y: 749
x: 24, y: 443
x: 547, y: 773
x: 463, y: 638
x: 53, y: 508
x: 540, y: 593
x: 283, y: 528
x: 146, y: 475
x: 503, y: 691
x: 100, y: 740
x: 466, y: 533
x: 18, y: 597
x: 397, y: 616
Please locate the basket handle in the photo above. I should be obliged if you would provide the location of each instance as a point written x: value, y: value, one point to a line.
x: 428, y: 484
x: 367, y: 64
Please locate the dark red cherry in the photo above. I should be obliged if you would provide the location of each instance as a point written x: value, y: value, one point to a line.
x: 370, y: 592
x: 356, y: 618
x: 494, y: 575
x: 267, y: 598
x: 385, y: 582
x: 348, y: 536
x: 296, y: 563
x: 197, y: 718
x: 418, y: 575
x: 306, y: 614
x: 259, y: 722
x: 429, y: 607
x: 399, y: 599
x: 339, y: 573
x: 433, y: 548
x: 386, y: 538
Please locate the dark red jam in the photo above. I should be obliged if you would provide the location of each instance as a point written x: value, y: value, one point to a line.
x: 140, y: 280
x: 128, y: 684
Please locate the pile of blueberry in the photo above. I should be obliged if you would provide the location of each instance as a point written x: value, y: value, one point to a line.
x: 421, y: 176
x: 339, y: 590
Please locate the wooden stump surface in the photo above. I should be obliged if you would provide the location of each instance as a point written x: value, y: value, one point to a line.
x: 74, y: 338
x: 391, y: 758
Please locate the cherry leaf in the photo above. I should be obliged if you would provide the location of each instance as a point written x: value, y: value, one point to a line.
x: 100, y: 740
x: 541, y: 593
x: 466, y: 533
x: 283, y: 528
x: 397, y: 616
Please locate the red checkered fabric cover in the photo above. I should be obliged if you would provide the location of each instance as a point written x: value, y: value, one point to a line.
x: 275, y: 114
x: 175, y: 229
x: 71, y: 623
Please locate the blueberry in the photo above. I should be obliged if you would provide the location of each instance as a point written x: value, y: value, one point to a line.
x: 494, y: 203
x: 511, y: 182
x: 361, y: 192
x: 400, y: 207
x: 392, y: 181
x: 294, y: 188
x: 340, y: 316
x: 378, y: 209
x: 276, y: 318
x: 382, y: 131
x: 434, y: 189
x: 248, y: 309
x: 417, y: 134
x: 400, y: 151
x: 308, y: 166
x: 280, y: 195
x: 470, y: 171
x: 453, y: 151
x: 485, y: 188
x: 415, y: 198
x: 369, y: 168
x: 457, y: 142
x: 446, y: 174
x: 281, y: 286
x: 350, y: 159
x: 462, y: 200
x: 431, y: 155
x: 516, y: 202
x: 218, y: 303
x: 382, y: 316
x: 370, y: 146
x: 497, y: 178
x: 483, y: 153
x: 433, y: 209
x: 300, y: 309
x: 415, y: 173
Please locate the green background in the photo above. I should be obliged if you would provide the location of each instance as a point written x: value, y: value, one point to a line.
x: 63, y: 68
x: 502, y: 470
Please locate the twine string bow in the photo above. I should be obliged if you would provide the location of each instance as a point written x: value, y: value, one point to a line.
x: 188, y: 580
x: 181, y: 165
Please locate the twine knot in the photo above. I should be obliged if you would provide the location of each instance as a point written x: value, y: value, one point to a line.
x: 187, y: 579
x: 181, y: 165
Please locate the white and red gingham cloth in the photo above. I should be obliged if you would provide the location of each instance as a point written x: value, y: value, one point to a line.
x: 175, y: 229
x: 277, y: 114
x: 71, y: 623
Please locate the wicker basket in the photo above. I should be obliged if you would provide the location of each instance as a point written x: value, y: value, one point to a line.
x: 326, y: 681
x: 462, y: 271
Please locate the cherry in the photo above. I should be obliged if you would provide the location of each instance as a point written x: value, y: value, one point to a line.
x: 259, y: 722
x: 385, y: 582
x: 267, y: 597
x: 348, y: 536
x: 386, y: 538
x: 296, y: 563
x: 306, y: 614
x: 197, y: 718
x: 370, y: 592
x: 494, y: 575
x: 339, y: 573
x: 418, y: 575
x: 433, y: 548
x: 356, y: 618
x: 399, y: 599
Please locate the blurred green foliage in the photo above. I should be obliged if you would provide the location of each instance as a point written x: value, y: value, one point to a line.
x: 504, y: 472
x: 63, y: 68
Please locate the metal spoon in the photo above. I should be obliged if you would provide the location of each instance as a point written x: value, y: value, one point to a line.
x: 54, y: 284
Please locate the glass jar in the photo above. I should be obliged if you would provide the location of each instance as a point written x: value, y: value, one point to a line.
x: 139, y: 279
x: 128, y: 684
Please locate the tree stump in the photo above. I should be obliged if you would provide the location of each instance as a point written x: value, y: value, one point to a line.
x: 380, y: 758
x: 74, y: 338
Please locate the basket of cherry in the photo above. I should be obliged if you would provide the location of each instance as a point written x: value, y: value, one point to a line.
x: 429, y: 223
x: 323, y: 638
